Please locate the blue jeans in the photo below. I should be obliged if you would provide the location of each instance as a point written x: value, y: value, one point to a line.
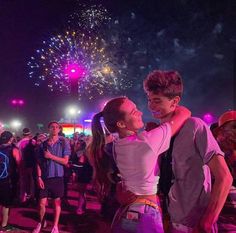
x: 149, y: 220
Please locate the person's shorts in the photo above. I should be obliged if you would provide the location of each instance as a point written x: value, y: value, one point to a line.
x: 6, y: 193
x: 53, y: 187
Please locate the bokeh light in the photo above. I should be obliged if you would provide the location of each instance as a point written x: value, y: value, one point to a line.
x: 208, y: 118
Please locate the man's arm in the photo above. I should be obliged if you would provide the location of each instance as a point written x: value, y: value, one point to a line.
x: 62, y: 160
x: 39, y: 178
x: 220, y: 190
x: 16, y: 156
x: 38, y: 170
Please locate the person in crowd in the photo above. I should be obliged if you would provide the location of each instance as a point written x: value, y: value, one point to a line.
x: 73, y: 157
x: 9, y: 162
x: 193, y: 202
x: 84, y: 175
x: 214, y: 129
x: 40, y: 138
x: 53, y: 155
x: 27, y: 151
x: 226, y: 137
x: 136, y: 155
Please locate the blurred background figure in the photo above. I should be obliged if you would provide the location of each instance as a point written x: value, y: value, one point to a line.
x: 84, y: 174
x: 28, y: 164
x: 226, y: 137
x: 9, y: 163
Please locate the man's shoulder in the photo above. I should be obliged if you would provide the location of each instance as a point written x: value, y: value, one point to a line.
x: 64, y: 143
x: 22, y: 142
x: 193, y: 122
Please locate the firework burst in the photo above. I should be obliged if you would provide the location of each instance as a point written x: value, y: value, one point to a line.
x: 75, y: 55
x: 89, y: 19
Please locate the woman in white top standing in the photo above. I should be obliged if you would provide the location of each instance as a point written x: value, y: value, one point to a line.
x: 136, y: 156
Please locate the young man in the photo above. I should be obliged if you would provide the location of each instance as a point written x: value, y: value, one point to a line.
x: 27, y: 153
x: 9, y: 159
x: 194, y: 205
x: 226, y: 137
x: 53, y: 155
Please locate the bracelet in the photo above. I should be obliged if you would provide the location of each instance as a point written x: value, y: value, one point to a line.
x: 38, y: 176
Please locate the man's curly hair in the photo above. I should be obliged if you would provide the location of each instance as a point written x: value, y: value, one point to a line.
x: 168, y: 83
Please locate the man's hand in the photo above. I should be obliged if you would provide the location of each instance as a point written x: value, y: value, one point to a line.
x: 47, y: 155
x: 40, y: 183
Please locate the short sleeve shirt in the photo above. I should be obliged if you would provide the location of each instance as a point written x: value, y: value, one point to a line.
x: 49, y: 167
x: 193, y: 148
x: 137, y: 158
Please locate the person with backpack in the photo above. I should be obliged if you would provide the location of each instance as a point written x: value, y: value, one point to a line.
x: 28, y: 165
x: 9, y: 162
x: 53, y: 155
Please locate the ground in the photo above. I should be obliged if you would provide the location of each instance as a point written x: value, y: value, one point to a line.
x: 24, y: 219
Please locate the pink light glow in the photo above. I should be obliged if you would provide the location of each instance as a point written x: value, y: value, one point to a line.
x: 208, y: 118
x: 14, y: 102
x: 21, y: 102
x: 17, y: 102
x: 75, y: 71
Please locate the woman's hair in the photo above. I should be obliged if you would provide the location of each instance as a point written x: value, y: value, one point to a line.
x: 100, y: 159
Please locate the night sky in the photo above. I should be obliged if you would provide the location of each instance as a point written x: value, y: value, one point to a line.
x: 197, y: 38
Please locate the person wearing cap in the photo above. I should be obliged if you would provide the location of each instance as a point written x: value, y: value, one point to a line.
x: 9, y: 157
x: 26, y: 146
x: 227, y: 140
x: 53, y: 155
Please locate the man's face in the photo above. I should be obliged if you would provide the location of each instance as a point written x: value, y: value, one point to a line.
x: 160, y: 105
x: 54, y: 129
x: 76, y: 136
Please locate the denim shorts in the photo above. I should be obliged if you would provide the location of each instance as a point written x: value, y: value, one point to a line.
x: 140, y: 218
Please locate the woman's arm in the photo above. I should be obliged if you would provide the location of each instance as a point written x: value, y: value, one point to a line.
x: 179, y: 117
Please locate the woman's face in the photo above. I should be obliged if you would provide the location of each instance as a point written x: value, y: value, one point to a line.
x: 132, y: 118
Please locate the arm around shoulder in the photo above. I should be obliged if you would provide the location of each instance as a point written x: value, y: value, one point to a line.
x: 181, y: 114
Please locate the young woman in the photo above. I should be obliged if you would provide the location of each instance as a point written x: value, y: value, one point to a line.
x: 136, y: 156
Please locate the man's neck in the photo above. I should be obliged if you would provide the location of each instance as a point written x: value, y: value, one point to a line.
x: 167, y: 118
x: 54, y: 138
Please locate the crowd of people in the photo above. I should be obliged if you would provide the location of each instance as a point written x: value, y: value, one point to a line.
x: 34, y: 168
x: 177, y: 175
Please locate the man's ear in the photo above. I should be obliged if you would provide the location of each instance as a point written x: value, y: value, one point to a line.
x: 121, y: 124
x: 175, y: 101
